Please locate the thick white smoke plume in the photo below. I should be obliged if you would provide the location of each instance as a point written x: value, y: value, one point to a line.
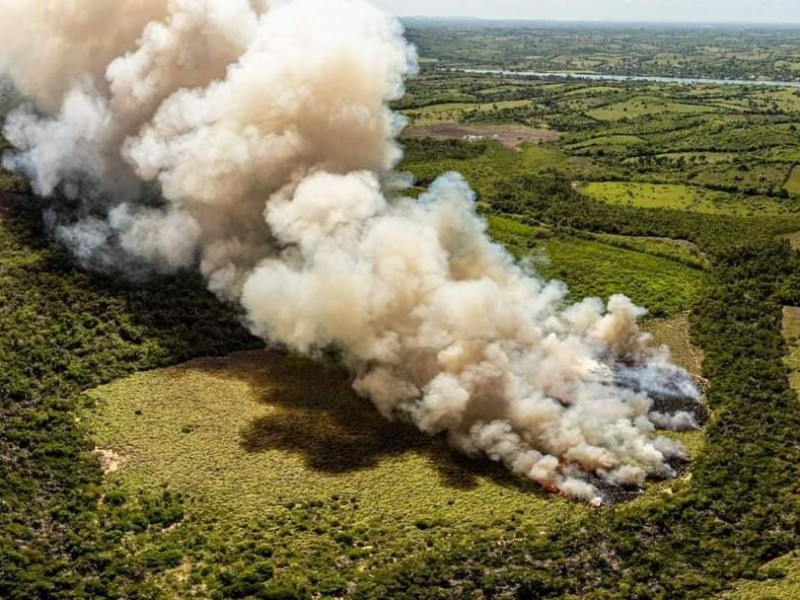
x: 253, y: 139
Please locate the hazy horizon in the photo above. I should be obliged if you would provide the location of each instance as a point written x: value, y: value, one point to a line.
x: 772, y: 12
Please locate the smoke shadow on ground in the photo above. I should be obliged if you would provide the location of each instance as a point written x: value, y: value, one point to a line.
x: 168, y: 320
x: 314, y: 413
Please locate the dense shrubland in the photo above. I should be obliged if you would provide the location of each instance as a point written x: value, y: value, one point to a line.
x: 61, y: 332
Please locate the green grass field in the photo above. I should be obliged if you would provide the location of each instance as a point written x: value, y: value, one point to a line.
x: 683, y: 197
x: 641, y: 106
x: 455, y: 111
x: 765, y: 178
x: 702, y: 157
x: 682, y: 252
x: 793, y: 183
x: 777, y: 580
x: 499, y: 163
x: 280, y: 452
x: 590, y: 267
x: 607, y: 140
x: 280, y: 458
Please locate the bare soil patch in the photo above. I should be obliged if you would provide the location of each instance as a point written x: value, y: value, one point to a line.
x: 511, y: 136
x: 110, y: 461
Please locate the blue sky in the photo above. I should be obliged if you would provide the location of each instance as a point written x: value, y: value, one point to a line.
x: 773, y: 11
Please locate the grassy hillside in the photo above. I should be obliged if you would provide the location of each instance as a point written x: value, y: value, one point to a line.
x: 278, y: 453
x: 63, y: 331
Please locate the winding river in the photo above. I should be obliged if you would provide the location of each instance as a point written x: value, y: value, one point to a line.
x: 631, y: 78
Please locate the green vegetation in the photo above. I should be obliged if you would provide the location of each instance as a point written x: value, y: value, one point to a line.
x: 63, y: 331
x: 651, y: 183
x: 777, y: 580
x: 738, y: 511
x: 682, y: 197
x: 780, y: 578
x: 264, y: 476
x: 597, y: 269
x: 793, y: 183
x: 639, y: 106
x: 459, y: 111
x: 682, y: 252
x: 669, y: 51
x: 594, y: 267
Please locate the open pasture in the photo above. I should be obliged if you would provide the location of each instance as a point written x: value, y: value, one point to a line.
x: 457, y: 111
x: 511, y: 136
x: 685, y: 198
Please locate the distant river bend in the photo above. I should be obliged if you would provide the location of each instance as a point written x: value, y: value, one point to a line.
x: 632, y: 78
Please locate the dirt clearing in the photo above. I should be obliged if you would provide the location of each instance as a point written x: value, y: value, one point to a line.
x: 511, y: 136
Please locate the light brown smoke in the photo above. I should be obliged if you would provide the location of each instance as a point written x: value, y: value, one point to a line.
x: 254, y: 140
x: 48, y: 45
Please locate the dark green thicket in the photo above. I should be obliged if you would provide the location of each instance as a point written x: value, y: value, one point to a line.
x: 62, y: 331
x: 418, y: 150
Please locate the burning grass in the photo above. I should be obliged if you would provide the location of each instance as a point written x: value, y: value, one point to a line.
x: 278, y: 450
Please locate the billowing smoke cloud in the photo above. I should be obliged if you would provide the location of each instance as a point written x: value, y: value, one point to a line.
x: 252, y: 139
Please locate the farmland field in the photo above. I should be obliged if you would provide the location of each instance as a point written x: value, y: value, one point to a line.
x: 511, y: 136
x: 641, y: 106
x: 299, y: 464
x: 680, y: 197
